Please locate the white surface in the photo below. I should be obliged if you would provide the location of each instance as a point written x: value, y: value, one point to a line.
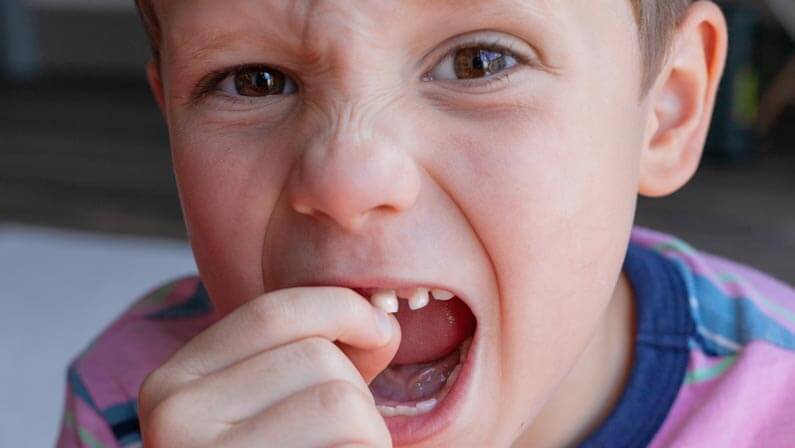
x: 59, y: 289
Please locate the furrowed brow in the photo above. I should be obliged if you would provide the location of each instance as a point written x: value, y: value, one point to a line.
x: 289, y: 24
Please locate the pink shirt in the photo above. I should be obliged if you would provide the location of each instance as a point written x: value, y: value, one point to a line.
x: 715, y: 356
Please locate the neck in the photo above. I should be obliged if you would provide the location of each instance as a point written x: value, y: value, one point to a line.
x: 592, y: 388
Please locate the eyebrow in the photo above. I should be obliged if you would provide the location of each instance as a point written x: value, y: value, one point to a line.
x: 298, y: 13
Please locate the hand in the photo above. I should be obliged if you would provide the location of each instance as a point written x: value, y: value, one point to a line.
x: 271, y: 374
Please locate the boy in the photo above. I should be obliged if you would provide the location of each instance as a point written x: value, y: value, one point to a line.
x: 474, y: 166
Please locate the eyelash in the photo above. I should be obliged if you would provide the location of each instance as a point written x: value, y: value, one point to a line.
x: 496, y: 45
x: 208, y: 85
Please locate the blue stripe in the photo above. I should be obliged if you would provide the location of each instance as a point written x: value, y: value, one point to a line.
x: 79, y: 388
x: 121, y: 412
x: 129, y: 439
x: 128, y: 432
x: 738, y: 319
x: 123, y: 421
x: 197, y: 305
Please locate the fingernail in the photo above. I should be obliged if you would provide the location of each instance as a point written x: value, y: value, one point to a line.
x: 384, y: 323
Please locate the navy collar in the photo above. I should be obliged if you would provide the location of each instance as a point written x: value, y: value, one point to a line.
x: 661, y: 354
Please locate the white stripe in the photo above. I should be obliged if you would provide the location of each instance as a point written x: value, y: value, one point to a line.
x: 720, y: 340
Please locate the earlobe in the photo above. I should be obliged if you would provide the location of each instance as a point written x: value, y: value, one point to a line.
x: 681, y: 101
x: 156, y: 84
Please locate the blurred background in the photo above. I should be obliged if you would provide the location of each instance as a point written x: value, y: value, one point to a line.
x: 90, y: 219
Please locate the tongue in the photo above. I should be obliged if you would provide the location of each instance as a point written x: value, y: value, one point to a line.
x: 432, y: 332
x: 413, y: 382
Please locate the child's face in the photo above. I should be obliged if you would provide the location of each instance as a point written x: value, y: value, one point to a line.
x: 516, y: 191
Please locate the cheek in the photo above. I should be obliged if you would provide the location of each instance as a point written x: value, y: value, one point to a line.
x: 551, y: 196
x: 227, y: 184
x: 556, y: 183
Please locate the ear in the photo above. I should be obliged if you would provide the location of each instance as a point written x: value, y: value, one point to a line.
x: 156, y: 84
x: 681, y: 101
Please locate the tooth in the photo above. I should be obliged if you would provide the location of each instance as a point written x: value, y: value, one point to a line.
x: 441, y: 294
x: 419, y: 298
x: 465, y: 349
x: 386, y: 300
x: 409, y: 411
x: 454, y: 375
x: 386, y: 411
x: 427, y: 405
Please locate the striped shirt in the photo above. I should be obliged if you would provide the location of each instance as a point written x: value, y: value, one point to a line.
x: 713, y: 365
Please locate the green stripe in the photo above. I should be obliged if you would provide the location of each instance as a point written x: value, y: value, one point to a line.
x: 675, y: 245
x: 69, y: 419
x: 88, y: 439
x: 157, y: 297
x: 708, y: 373
x: 85, y: 436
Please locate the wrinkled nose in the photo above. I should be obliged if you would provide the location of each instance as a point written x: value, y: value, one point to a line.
x: 346, y: 177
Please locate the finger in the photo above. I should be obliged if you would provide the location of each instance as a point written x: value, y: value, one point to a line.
x: 329, y: 414
x: 257, y: 383
x: 371, y: 362
x: 280, y: 317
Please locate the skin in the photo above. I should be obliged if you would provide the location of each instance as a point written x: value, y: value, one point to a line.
x: 520, y: 194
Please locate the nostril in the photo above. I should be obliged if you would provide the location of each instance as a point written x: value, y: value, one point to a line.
x: 353, y: 223
x: 303, y: 209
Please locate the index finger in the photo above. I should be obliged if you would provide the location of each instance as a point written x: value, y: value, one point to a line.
x: 283, y: 316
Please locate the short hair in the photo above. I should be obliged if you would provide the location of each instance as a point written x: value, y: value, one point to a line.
x: 656, y: 20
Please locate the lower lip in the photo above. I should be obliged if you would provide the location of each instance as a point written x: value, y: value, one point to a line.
x: 409, y: 430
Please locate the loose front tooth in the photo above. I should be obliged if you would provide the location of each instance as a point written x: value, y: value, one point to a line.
x: 386, y: 300
x: 419, y: 298
x: 441, y: 294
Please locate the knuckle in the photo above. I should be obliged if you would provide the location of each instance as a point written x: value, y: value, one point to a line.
x: 176, y: 421
x: 341, y: 401
x: 151, y: 390
x: 353, y: 415
x: 322, y: 354
x: 170, y: 413
x: 315, y: 347
x: 148, y: 387
x: 352, y: 304
x: 158, y: 384
x: 271, y: 312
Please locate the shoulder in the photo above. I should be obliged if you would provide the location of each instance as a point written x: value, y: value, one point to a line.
x: 732, y: 304
x: 742, y: 351
x: 106, y: 376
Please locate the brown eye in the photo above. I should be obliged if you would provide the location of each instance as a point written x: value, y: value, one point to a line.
x: 257, y: 82
x: 472, y: 62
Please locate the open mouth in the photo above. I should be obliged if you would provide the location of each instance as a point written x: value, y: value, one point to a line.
x: 437, y: 331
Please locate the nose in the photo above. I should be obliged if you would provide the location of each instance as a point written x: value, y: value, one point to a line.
x: 349, y: 174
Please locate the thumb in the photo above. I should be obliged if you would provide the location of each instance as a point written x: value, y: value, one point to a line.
x: 373, y: 361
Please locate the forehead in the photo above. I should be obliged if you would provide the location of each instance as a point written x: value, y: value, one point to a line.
x: 316, y: 33
x: 211, y: 20
x: 300, y: 13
